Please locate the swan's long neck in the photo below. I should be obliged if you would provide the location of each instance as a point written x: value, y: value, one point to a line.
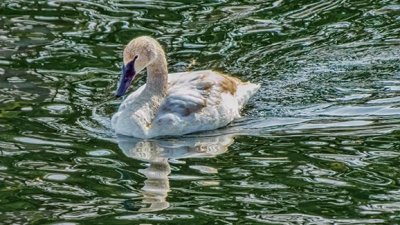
x: 157, y: 75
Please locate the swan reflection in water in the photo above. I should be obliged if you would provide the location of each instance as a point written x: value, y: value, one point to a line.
x: 158, y: 151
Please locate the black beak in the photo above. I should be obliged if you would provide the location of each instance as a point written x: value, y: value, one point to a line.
x: 128, y: 73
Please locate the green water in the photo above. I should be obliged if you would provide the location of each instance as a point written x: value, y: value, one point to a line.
x: 318, y: 144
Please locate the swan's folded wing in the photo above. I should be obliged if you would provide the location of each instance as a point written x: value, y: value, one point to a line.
x: 185, y: 99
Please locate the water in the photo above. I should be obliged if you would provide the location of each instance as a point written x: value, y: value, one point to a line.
x: 319, y: 143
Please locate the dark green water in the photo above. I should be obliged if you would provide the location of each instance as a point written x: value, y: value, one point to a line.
x: 319, y: 143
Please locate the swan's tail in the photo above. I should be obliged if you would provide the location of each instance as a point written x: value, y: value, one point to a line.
x: 245, y: 91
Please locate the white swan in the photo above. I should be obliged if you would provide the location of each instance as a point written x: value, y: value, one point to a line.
x: 174, y: 104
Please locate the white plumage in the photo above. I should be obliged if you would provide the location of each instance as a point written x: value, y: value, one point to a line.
x: 178, y: 103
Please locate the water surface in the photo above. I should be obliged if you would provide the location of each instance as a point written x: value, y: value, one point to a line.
x: 318, y: 144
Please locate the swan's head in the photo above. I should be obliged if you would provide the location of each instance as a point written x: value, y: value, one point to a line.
x: 138, y: 54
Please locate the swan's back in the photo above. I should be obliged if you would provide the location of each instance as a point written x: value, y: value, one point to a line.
x: 211, y: 84
x: 201, y: 100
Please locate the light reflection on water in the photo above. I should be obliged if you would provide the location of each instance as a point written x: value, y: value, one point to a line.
x: 318, y: 144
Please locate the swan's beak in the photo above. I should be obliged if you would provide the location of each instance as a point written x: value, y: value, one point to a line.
x: 128, y: 73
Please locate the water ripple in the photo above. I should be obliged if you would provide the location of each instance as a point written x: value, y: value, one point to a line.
x: 318, y: 143
x: 309, y: 219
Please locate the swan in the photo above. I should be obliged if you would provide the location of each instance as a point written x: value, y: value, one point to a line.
x: 174, y: 104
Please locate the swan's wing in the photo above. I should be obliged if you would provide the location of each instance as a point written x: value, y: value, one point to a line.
x: 196, y: 101
x: 190, y: 93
